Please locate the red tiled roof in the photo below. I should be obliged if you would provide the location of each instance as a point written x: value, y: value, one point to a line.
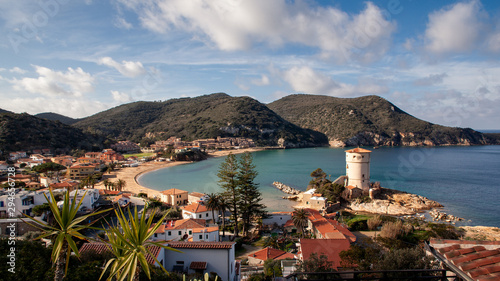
x: 480, y: 260
x: 172, y: 191
x: 195, y: 208
x: 271, y: 253
x: 187, y: 223
x: 200, y: 245
x: 101, y: 248
x: 330, y: 247
x: 198, y: 265
x: 206, y: 229
x: 358, y: 150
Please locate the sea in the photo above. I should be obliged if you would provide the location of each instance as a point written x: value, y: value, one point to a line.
x: 464, y: 179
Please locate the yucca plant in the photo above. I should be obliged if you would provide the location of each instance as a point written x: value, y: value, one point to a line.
x: 68, y: 227
x: 130, y: 245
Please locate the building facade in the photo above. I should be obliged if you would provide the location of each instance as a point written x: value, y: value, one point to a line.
x: 358, y: 168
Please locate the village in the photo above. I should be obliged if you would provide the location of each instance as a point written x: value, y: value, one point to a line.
x: 318, y: 228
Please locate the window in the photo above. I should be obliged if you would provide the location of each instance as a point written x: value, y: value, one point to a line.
x: 201, y: 236
x: 190, y: 232
x: 199, y: 216
x: 180, y: 232
x: 156, y: 235
x: 206, y: 215
x: 206, y: 236
x: 1, y: 203
x: 169, y: 233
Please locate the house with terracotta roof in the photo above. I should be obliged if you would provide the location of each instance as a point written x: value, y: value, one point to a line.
x: 101, y: 248
x: 329, y: 247
x: 326, y: 228
x: 197, y: 197
x: 187, y: 230
x: 68, y: 185
x: 174, y: 197
x: 79, y: 172
x: 312, y: 199
x: 198, y: 211
x: 468, y: 260
x: 203, y: 257
x: 259, y: 257
x: 278, y: 218
x: 122, y: 200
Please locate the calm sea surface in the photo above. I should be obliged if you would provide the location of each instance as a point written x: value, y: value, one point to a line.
x: 466, y: 180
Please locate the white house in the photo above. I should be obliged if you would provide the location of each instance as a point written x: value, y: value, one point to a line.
x: 197, y: 197
x: 203, y: 257
x: 3, y: 166
x: 279, y: 218
x: 198, y: 211
x: 23, y: 201
x: 122, y: 200
x: 89, y: 201
x: 187, y: 230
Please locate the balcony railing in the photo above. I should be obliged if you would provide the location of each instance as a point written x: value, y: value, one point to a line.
x: 381, y: 275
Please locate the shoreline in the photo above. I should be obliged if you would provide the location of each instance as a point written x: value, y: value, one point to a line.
x: 131, y: 174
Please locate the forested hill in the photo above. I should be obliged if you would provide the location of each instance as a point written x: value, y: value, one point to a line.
x: 26, y: 132
x: 57, y: 117
x: 206, y: 116
x: 369, y: 120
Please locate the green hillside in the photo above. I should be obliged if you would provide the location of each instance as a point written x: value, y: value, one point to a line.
x: 368, y: 120
x: 206, y: 116
x: 26, y: 132
x: 57, y: 117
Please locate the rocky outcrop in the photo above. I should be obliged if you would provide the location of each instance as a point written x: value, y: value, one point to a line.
x: 285, y: 188
x: 394, y: 202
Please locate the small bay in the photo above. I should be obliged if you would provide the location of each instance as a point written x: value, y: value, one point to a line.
x: 466, y: 180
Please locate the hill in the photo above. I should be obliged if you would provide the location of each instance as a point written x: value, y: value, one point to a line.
x: 368, y: 120
x: 201, y: 117
x: 26, y: 132
x: 4, y: 111
x: 57, y: 117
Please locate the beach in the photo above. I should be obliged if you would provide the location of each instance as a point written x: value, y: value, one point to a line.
x: 130, y: 174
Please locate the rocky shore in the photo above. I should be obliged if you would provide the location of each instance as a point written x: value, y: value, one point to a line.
x: 285, y: 188
x: 396, y: 203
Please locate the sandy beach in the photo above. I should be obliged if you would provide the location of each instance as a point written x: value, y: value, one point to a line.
x: 130, y: 174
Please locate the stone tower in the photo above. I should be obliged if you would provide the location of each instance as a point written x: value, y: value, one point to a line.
x: 358, y: 168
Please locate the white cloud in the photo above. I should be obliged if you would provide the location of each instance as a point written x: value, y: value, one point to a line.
x: 126, y: 68
x: 263, y: 81
x: 73, y: 82
x: 122, y: 23
x: 454, y: 29
x: 238, y: 25
x: 2, y: 69
x: 17, y: 70
x: 121, y: 97
x: 75, y: 108
x: 430, y: 80
x: 494, y: 42
x: 306, y: 80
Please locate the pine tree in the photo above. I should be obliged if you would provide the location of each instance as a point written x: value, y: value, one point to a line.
x: 227, y: 174
x: 250, y: 195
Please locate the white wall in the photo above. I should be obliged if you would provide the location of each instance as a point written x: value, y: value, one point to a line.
x: 358, y: 169
x: 220, y: 261
x: 279, y: 218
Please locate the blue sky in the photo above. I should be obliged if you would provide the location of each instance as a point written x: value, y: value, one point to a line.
x: 437, y: 60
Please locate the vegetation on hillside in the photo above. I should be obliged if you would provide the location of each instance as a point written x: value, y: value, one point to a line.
x: 201, y: 117
x: 57, y: 117
x: 368, y: 120
x: 26, y: 132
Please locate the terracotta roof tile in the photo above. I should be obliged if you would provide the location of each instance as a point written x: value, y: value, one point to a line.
x: 478, y: 259
x: 201, y: 265
x: 330, y: 247
x: 101, y: 248
x: 200, y: 245
x: 267, y: 253
x: 195, y: 208
x: 173, y: 191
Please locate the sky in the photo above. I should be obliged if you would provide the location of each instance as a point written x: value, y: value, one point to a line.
x: 436, y: 60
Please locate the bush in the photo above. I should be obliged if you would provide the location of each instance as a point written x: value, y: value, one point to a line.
x: 392, y: 229
x: 374, y: 222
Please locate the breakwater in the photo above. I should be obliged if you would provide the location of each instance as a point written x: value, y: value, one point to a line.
x: 285, y: 188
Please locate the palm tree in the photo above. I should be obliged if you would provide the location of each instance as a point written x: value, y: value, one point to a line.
x: 299, y: 218
x: 130, y: 245
x: 213, y: 203
x: 223, y: 206
x: 120, y: 184
x: 106, y: 184
x: 67, y: 227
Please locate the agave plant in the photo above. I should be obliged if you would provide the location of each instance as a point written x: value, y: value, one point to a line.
x: 68, y: 226
x: 130, y: 245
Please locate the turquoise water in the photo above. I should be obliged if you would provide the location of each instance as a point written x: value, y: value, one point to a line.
x: 466, y: 180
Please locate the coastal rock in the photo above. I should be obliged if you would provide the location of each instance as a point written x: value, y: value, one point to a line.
x: 285, y: 188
